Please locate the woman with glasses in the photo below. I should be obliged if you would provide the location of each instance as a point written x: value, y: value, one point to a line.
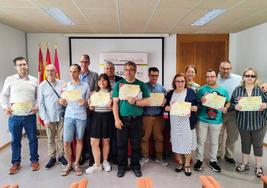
x: 183, y: 135
x: 251, y: 124
x: 190, y: 74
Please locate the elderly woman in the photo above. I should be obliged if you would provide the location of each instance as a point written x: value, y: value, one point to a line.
x: 251, y: 124
x: 190, y: 74
x: 183, y: 135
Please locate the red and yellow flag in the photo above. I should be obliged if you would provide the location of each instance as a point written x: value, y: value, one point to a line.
x: 56, y: 63
x: 41, y: 72
x: 47, y: 60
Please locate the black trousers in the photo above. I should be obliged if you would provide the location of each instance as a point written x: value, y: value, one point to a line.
x: 132, y: 128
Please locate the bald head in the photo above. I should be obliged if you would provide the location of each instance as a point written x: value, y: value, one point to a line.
x: 50, y: 73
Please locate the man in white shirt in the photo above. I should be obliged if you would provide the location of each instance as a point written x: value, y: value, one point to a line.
x: 228, y: 81
x: 18, y: 99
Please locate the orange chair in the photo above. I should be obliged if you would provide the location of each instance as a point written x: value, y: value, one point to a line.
x: 209, y: 182
x: 82, y: 184
x: 144, y: 182
x: 10, y: 186
x: 264, y: 180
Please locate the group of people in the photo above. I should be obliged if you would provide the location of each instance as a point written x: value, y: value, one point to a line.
x: 103, y: 133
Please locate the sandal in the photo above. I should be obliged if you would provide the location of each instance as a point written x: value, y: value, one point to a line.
x: 78, y: 171
x: 179, y: 167
x: 259, y: 171
x: 187, y: 170
x: 242, y: 167
x: 66, y: 170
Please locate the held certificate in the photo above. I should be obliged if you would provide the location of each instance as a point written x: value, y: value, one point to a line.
x: 181, y: 109
x: 128, y: 90
x: 71, y: 95
x: 156, y: 99
x: 214, y: 101
x: 100, y: 99
x: 21, y: 108
x: 250, y: 103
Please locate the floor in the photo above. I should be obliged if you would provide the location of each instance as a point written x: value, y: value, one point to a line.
x: 163, y: 177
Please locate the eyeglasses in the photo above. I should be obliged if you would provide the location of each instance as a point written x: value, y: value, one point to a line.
x: 179, y: 81
x: 226, y: 68
x: 129, y: 70
x: 249, y: 76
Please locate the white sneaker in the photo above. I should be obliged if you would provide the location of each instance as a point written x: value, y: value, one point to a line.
x: 143, y: 160
x: 93, y: 169
x: 162, y: 162
x: 106, y: 166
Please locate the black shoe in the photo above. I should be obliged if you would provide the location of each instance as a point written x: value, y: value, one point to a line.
x: 120, y: 173
x: 81, y: 161
x: 137, y: 172
x: 214, y: 166
x: 50, y: 163
x: 230, y: 160
x: 198, y: 165
x: 62, y: 160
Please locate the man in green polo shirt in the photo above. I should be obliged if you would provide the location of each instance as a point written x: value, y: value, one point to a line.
x: 128, y: 120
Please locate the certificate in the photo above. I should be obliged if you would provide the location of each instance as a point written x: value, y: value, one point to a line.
x: 71, y: 95
x: 181, y: 109
x: 100, y: 99
x: 156, y: 99
x: 250, y: 103
x: 128, y: 90
x: 21, y: 108
x: 214, y: 101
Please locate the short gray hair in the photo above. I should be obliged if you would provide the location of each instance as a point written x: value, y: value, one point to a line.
x: 109, y: 63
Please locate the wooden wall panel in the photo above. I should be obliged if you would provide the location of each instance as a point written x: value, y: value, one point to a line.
x: 203, y: 51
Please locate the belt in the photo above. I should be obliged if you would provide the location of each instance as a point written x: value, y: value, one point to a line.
x: 130, y: 118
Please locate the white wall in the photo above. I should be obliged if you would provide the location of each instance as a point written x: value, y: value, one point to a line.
x: 12, y: 44
x: 248, y: 48
x: 34, y: 39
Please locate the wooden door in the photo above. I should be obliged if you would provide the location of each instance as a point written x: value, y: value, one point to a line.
x: 203, y: 51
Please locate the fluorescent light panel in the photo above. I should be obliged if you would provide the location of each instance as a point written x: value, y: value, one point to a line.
x: 59, y: 15
x: 212, y: 14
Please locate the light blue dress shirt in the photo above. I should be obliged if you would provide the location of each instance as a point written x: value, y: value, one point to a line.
x: 230, y: 83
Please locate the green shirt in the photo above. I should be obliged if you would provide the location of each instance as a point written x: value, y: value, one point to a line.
x: 125, y: 108
x: 207, y: 114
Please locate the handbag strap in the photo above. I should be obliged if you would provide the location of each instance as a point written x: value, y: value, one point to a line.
x: 53, y: 89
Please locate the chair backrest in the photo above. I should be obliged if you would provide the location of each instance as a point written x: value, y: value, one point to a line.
x: 10, y: 186
x: 144, y: 182
x: 264, y: 180
x: 205, y: 182
x: 214, y: 182
x: 82, y: 184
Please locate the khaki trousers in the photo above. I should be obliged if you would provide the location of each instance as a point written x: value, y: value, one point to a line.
x: 152, y: 125
x: 53, y: 130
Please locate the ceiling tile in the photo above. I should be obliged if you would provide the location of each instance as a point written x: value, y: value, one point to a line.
x: 16, y: 4
x: 96, y: 4
x: 184, y: 4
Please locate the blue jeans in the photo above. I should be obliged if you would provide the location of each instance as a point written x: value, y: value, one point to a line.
x: 15, y: 125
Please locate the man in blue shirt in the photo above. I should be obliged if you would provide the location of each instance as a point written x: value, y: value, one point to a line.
x: 153, y: 121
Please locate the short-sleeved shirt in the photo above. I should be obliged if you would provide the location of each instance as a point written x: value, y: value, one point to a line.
x: 125, y: 108
x: 74, y: 110
x: 207, y: 114
x: 229, y: 83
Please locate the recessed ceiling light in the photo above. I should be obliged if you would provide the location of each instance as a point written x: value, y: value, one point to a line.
x: 213, y: 13
x: 59, y: 15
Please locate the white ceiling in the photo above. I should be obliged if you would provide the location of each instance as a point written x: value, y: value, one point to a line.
x: 133, y: 16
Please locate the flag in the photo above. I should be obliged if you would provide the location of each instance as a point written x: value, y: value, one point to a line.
x: 40, y: 76
x: 47, y: 60
x: 56, y: 63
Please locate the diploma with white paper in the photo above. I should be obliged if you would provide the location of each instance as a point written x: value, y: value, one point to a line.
x: 71, y: 95
x: 128, y: 90
x: 100, y: 99
x: 250, y: 103
x: 214, y: 101
x: 156, y: 99
x: 21, y: 108
x: 181, y: 109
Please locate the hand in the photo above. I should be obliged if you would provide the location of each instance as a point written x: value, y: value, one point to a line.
x: 91, y: 107
x: 264, y: 87
x: 62, y: 102
x: 237, y: 107
x: 131, y: 100
x: 35, y: 109
x: 203, y: 99
x: 81, y: 102
x: 263, y: 106
x: 193, y: 108
x: 163, y: 103
x: 167, y: 108
x: 8, y: 111
x: 88, y: 102
x: 118, y: 124
x: 224, y: 110
x: 110, y: 104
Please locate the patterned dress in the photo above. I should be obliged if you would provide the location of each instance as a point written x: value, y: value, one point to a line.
x: 182, y: 137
